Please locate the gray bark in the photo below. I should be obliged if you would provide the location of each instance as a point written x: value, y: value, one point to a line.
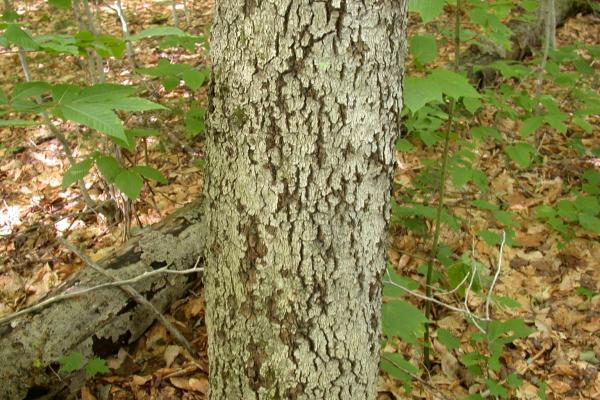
x: 98, y: 324
x: 306, y: 100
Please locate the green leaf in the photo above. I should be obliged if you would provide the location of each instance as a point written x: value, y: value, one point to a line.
x: 194, y: 121
x: 150, y: 173
x: 195, y: 79
x: 567, y: 210
x: 130, y: 183
x: 590, y: 223
x: 404, y: 145
x: 105, y: 93
x: 514, y: 381
x: 71, y: 362
x: 135, y: 104
x: 521, y: 153
x: 76, y: 172
x: 448, y: 339
x: 484, y: 132
x: 460, y: 176
x: 95, y: 116
x: 17, y: 122
x: 427, y: 9
x: 109, y: 167
x: 505, y: 218
x: 452, y: 84
x: 403, y: 320
x: 530, y: 125
x: 65, y: 93
x: 158, y: 31
x: 491, y: 238
x: 397, y: 367
x: 484, y: 205
x: 496, y: 389
x: 423, y: 48
x: 392, y: 279
x: 506, y: 301
x: 60, y: 4
x: 586, y: 292
x: 30, y: 89
x: 587, y: 204
x: 96, y: 366
x: 472, y: 104
x: 420, y: 91
x: 20, y: 38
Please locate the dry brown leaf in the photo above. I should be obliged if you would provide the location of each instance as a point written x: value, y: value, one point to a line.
x: 171, y: 353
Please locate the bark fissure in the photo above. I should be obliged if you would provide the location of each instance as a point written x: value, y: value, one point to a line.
x: 299, y: 163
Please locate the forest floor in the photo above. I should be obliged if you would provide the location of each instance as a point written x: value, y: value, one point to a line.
x: 34, y: 210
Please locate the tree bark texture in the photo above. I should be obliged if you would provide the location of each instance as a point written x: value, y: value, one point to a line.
x: 99, y: 323
x: 306, y: 99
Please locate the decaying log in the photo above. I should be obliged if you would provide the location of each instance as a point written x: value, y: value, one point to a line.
x: 526, y: 37
x: 98, y: 323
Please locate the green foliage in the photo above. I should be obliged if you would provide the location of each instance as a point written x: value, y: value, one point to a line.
x: 74, y: 361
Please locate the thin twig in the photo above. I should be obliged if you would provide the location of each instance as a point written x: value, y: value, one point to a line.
x: 498, y: 267
x: 134, y: 294
x: 81, y: 292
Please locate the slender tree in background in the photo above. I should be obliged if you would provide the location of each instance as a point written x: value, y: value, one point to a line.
x: 304, y: 111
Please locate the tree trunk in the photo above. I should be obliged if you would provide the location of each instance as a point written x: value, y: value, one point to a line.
x: 305, y: 108
x: 99, y: 323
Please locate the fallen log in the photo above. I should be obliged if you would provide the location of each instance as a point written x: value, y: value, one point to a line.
x: 527, y: 36
x: 97, y: 324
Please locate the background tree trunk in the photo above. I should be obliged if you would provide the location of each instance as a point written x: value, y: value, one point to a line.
x: 306, y: 100
x: 526, y: 37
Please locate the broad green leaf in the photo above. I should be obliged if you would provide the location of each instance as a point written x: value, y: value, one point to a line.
x: 420, y: 91
x: 496, y: 389
x: 150, y: 173
x: 491, y: 238
x: 587, y: 204
x: 404, y: 145
x: 17, y: 122
x: 402, y: 319
x: 194, y: 121
x: 130, y: 183
x: 135, y: 104
x: 472, y: 104
x: 521, y: 153
x: 105, y: 93
x: 158, y: 31
x: 545, y: 211
x: 485, y: 205
x: 195, y: 79
x: 71, y: 362
x: 507, y: 301
x: 423, y: 48
x: 30, y: 89
x: 448, y: 339
x: 453, y: 84
x: 484, y: 132
x: 76, y: 172
x: 397, y: 367
x: 3, y: 98
x: 392, y: 279
x: 65, y: 93
x: 427, y: 9
x: 460, y: 176
x: 20, y: 38
x: 109, y: 167
x: 586, y: 292
x: 567, y: 210
x: 95, y: 116
x: 142, y: 132
x: 96, y: 366
x: 165, y: 69
x: 505, y: 218
x: 590, y: 223
x: 530, y: 125
x: 170, y: 82
x: 61, y: 4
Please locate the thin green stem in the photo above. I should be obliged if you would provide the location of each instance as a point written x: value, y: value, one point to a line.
x: 442, y: 193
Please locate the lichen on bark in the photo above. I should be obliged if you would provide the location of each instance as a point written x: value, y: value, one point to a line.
x: 304, y: 110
